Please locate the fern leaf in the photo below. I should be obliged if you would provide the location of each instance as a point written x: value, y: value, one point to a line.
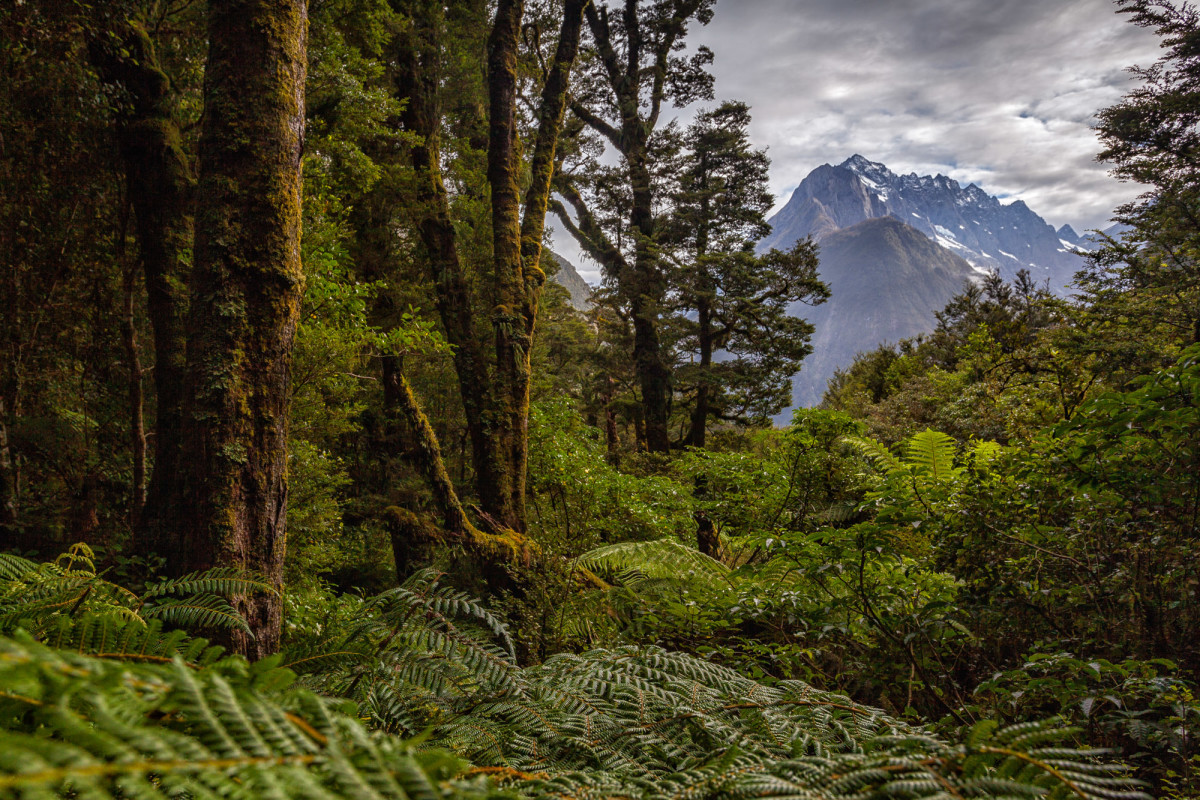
x: 875, y: 452
x: 932, y: 452
x: 106, y: 730
x: 659, y: 559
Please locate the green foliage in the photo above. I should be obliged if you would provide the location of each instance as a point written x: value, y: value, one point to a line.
x: 792, y: 480
x: 51, y: 598
x: 424, y: 658
x: 580, y: 500
x: 75, y: 725
x: 1143, y: 706
x: 662, y: 559
x: 645, y: 722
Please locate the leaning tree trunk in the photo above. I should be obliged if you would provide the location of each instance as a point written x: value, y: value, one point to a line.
x: 245, y: 294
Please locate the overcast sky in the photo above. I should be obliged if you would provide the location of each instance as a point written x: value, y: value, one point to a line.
x: 1001, y: 93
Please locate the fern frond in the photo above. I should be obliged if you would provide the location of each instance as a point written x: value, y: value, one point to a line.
x: 222, y: 581
x: 659, y: 559
x: 199, y: 611
x: 876, y: 452
x: 102, y: 729
x: 932, y: 452
x: 14, y: 567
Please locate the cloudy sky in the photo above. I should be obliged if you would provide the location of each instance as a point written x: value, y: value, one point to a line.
x: 1001, y: 93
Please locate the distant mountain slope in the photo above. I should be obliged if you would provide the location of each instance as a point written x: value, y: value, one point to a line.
x: 967, y: 221
x: 887, y: 280
x: 568, y: 277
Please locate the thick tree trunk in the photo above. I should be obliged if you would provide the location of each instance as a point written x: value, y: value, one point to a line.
x: 160, y: 185
x: 515, y: 308
x: 245, y: 294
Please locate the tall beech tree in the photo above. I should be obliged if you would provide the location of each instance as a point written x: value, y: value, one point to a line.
x: 230, y: 505
x: 636, y: 70
x: 492, y: 359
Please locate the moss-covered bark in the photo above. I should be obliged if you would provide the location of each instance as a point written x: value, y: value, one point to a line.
x: 231, y: 507
x: 161, y: 187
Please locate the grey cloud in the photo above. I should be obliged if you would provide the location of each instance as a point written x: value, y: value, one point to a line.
x: 1001, y: 93
x: 998, y: 92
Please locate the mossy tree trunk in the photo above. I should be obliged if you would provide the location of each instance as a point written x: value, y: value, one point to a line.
x: 246, y: 285
x: 161, y: 186
x: 492, y: 366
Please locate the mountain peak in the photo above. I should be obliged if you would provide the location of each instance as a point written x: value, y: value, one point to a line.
x: 859, y: 161
x: 990, y: 234
x: 866, y: 168
x: 1068, y: 233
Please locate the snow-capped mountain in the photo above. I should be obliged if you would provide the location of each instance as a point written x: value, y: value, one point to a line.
x: 887, y: 280
x: 966, y: 221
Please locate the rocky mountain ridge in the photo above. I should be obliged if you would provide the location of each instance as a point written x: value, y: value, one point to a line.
x: 967, y: 221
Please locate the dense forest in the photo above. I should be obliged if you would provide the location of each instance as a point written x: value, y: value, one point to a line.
x: 314, y: 484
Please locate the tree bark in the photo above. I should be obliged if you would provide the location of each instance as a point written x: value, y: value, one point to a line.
x: 137, y: 425
x: 245, y: 293
x: 160, y: 186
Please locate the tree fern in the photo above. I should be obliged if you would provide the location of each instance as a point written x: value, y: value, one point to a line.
x: 932, y: 452
x: 876, y: 452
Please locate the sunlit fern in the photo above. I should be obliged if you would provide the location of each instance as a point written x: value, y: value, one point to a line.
x: 649, y: 723
x: 660, y: 559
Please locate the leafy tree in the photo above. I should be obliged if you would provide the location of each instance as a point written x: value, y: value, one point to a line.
x: 1147, y: 281
x: 633, y: 70
x: 740, y: 301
